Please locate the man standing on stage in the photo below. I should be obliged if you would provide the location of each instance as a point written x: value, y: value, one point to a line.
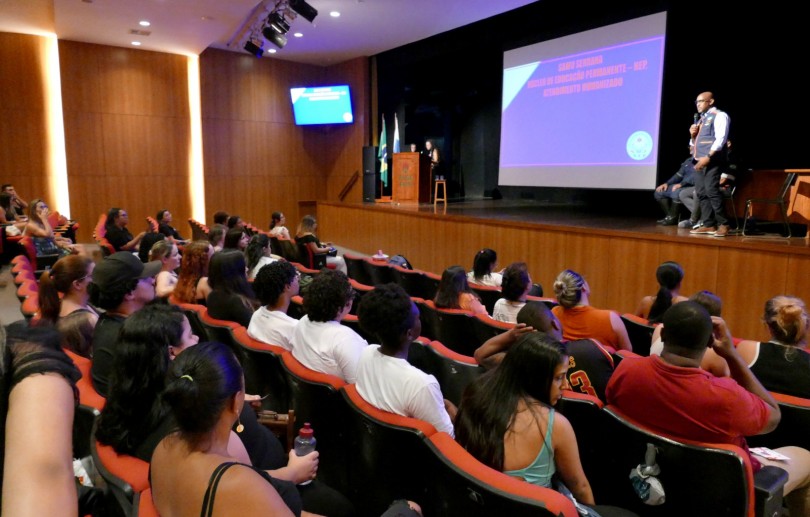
x: 709, y: 134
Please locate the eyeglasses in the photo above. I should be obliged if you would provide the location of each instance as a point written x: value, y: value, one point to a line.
x: 700, y: 100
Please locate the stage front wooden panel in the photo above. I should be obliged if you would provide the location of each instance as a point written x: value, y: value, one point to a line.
x: 619, y: 265
x: 411, y: 178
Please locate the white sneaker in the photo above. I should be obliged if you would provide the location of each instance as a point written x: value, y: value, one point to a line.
x: 686, y: 223
x: 698, y: 225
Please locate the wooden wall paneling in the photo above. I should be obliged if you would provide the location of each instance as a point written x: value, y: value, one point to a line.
x: 632, y: 272
x: 745, y: 280
x: 589, y: 255
x: 544, y: 256
x: 23, y: 131
x: 81, y: 77
x: 797, y: 279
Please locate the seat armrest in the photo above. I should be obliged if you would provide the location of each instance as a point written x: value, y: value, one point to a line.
x: 769, y: 485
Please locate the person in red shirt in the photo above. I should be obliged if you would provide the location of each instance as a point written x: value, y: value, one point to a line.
x: 673, y: 395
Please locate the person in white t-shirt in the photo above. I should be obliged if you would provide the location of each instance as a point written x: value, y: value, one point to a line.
x: 385, y: 379
x: 515, y: 287
x: 275, y: 285
x: 319, y: 341
x: 483, y: 272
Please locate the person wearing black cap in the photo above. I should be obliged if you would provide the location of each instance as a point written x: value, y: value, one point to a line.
x: 121, y: 285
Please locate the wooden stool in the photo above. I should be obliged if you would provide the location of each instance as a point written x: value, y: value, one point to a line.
x: 436, y: 197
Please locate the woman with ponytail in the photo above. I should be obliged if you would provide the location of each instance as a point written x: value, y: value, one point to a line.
x: 63, y: 301
x: 669, y: 276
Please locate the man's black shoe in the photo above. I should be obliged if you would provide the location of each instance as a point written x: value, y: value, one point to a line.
x: 668, y: 221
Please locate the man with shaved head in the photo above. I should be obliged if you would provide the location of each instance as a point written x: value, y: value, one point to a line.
x: 671, y: 394
x: 709, y: 135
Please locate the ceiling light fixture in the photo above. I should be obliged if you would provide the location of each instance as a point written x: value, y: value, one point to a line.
x: 144, y: 23
x: 334, y: 14
x: 304, y: 9
x: 298, y: 35
x: 254, y: 46
x: 136, y: 43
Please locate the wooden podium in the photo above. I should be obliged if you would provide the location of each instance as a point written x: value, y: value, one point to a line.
x: 411, y: 178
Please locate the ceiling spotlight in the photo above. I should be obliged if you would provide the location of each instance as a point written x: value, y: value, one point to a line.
x: 334, y: 14
x: 298, y: 35
x: 304, y: 9
x: 271, y: 51
x: 274, y: 37
x: 136, y: 43
x: 144, y: 23
x: 278, y: 23
x: 252, y: 47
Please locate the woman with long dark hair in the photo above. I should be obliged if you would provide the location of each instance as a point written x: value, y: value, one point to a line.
x: 231, y: 296
x: 483, y: 272
x: 41, y: 231
x: 258, y: 255
x: 669, y: 276
x: 454, y: 292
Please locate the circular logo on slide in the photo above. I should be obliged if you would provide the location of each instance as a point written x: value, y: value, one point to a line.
x: 639, y: 145
x: 347, y: 117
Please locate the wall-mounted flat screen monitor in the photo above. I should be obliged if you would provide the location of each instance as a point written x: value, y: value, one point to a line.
x: 313, y: 105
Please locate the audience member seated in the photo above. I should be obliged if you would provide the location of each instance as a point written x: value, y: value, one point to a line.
x: 145, y: 246
x: 118, y: 233
x: 580, y: 320
x: 17, y: 206
x: 673, y: 395
x: 45, y: 240
x: 483, y: 272
x: 590, y: 364
x: 8, y: 216
x: 236, y: 239
x: 63, y: 302
x: 454, y: 292
x: 206, y: 396
x: 783, y: 363
x: 320, y: 342
x: 515, y: 287
x: 192, y: 282
x: 275, y: 286
x: 231, y: 297
x: 306, y: 235
x: 711, y: 362
x: 385, y: 379
x: 164, y: 219
x: 165, y: 251
x: 277, y: 228
x: 669, y: 276
x: 235, y: 222
x: 668, y: 194
x: 136, y: 418
x: 507, y: 420
x: 121, y: 285
x: 216, y: 236
x: 38, y: 399
x: 221, y: 217
x: 258, y: 254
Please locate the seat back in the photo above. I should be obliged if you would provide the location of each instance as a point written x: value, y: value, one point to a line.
x: 459, y: 484
x: 454, y: 371
x: 387, y: 455
x: 125, y: 475
x: 264, y: 374
x: 88, y: 395
x: 486, y: 327
x: 430, y: 284
x: 488, y: 295
x: 353, y: 322
x: 84, y: 421
x: 152, y: 223
x: 379, y: 271
x: 356, y: 268
x: 359, y: 291
x: 792, y: 428
x: 194, y: 314
x: 309, y: 259
x: 408, y: 279
x: 275, y: 247
x: 725, y: 486
x: 145, y: 505
x: 316, y: 399
x: 288, y: 249
x: 639, y: 332
x: 586, y: 417
x: 453, y: 327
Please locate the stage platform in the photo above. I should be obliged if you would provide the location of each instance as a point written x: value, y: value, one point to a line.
x: 617, y: 255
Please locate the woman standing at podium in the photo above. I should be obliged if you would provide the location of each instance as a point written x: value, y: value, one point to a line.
x: 435, y: 159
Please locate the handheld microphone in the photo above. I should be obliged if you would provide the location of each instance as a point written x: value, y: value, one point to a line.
x: 696, y: 118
